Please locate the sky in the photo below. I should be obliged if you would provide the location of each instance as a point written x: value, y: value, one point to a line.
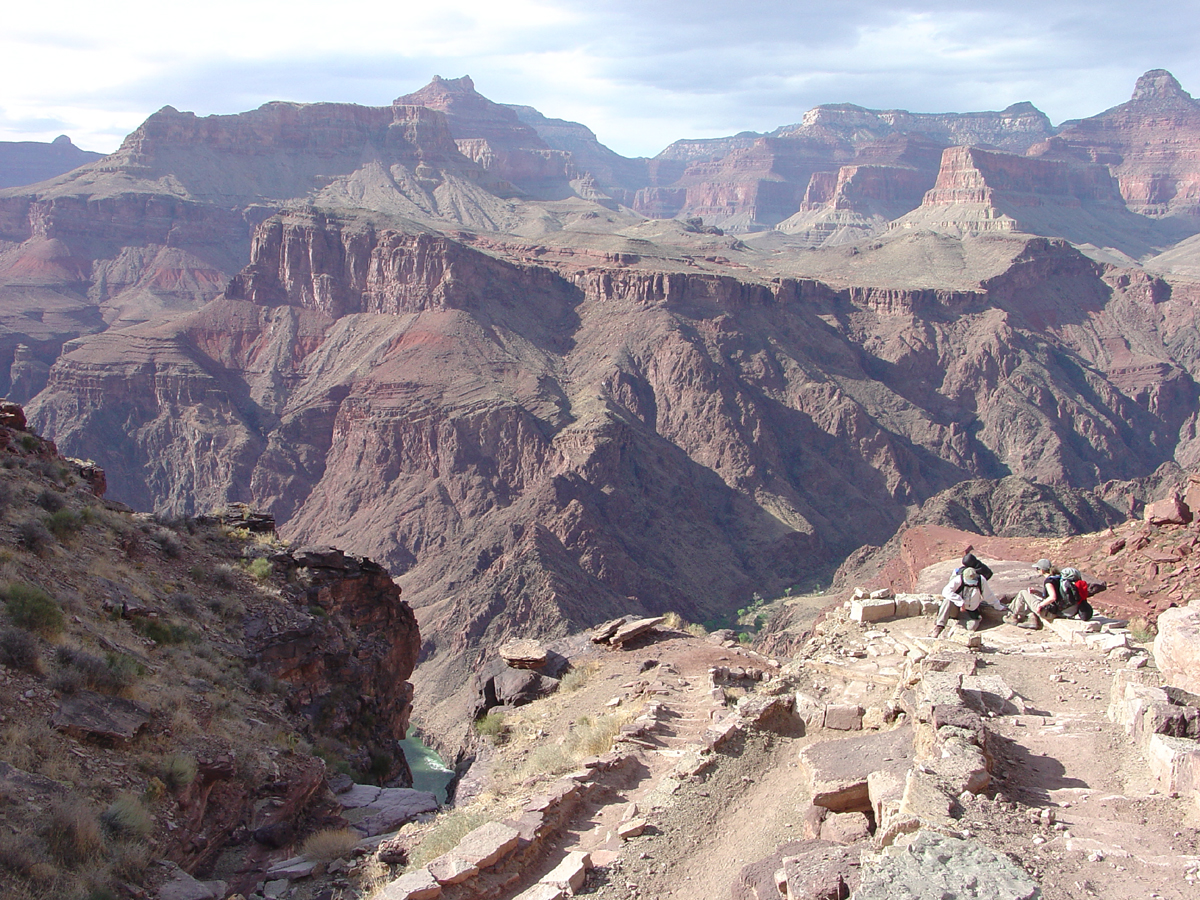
x: 639, y: 73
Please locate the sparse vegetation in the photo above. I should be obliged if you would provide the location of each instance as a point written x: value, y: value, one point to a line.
x: 73, y: 831
x: 78, y: 669
x: 34, y: 536
x: 51, y: 501
x: 491, y: 726
x: 1142, y: 630
x: 63, y: 524
x: 163, y: 631
x: 260, y: 568
x: 127, y: 817
x: 447, y: 831
x: 18, y: 650
x: 330, y: 844
x: 578, y: 676
x: 31, y: 608
x: 178, y: 771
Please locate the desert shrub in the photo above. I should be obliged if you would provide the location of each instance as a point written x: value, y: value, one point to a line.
x: 578, y: 677
x: 18, y: 650
x: 50, y: 501
x: 162, y: 631
x: 185, y: 603
x: 330, y: 844
x: 695, y: 629
x: 7, y: 496
x: 78, y: 669
x: 34, y: 536
x: 178, y: 770
x: 224, y: 576
x: 63, y: 523
x: 167, y: 541
x: 29, y: 442
x: 548, y: 759
x: 674, y: 621
x: 491, y: 726
x: 1142, y: 630
x: 33, y: 609
x: 131, y: 860
x: 448, y: 829
x: 20, y: 854
x: 127, y: 817
x: 260, y: 568
x: 592, y: 737
x: 72, y: 831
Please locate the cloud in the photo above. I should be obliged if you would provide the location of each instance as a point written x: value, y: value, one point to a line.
x: 639, y: 74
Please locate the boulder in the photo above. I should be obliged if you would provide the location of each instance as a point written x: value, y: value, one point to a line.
x: 838, y: 771
x: 89, y: 714
x: 845, y: 828
x: 524, y: 654
x: 1168, y: 511
x: 1177, y: 647
x: 843, y: 717
x: 516, y: 687
x: 418, y: 885
x: 570, y: 874
x: 452, y: 869
x: 630, y: 630
x: 933, y: 865
x: 870, y: 609
x: 387, y: 810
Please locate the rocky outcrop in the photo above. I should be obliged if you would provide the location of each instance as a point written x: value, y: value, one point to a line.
x: 28, y: 162
x: 347, y: 645
x: 1144, y: 145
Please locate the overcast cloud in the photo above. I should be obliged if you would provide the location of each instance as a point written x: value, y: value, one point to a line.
x: 640, y: 74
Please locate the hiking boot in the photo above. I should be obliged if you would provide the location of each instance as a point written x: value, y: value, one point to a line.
x: 1030, y: 626
x: 937, y: 631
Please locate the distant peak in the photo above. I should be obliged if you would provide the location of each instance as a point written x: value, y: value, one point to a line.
x: 462, y: 85
x: 1158, y: 84
x: 63, y: 141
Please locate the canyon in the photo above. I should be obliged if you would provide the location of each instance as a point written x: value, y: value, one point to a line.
x: 542, y: 384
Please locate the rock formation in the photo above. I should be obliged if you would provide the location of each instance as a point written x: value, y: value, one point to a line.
x: 28, y: 162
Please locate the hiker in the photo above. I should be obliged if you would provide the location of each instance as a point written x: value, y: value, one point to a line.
x: 1027, y: 600
x: 1064, y: 593
x: 1066, y: 596
x: 963, y: 594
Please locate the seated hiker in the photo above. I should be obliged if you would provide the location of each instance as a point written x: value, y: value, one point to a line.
x: 1066, y: 596
x: 963, y: 594
x: 1026, y: 602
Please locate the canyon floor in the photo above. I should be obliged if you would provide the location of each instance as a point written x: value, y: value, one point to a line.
x: 1108, y: 833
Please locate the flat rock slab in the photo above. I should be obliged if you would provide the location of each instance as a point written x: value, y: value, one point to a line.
x: 418, y: 885
x: 524, y: 654
x: 634, y: 629
x: 184, y: 887
x: 571, y: 873
x: 487, y: 844
x: 452, y: 869
x: 390, y: 809
x: 933, y: 867
x: 542, y: 892
x: 837, y: 771
x: 872, y: 610
x: 97, y: 715
x: 1177, y: 647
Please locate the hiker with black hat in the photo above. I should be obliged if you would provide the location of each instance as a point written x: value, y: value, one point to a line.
x: 963, y: 594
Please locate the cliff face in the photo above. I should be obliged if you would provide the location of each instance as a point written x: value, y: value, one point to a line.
x: 541, y: 445
x: 1148, y: 145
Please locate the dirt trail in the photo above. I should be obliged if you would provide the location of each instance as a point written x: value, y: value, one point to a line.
x: 1113, y: 836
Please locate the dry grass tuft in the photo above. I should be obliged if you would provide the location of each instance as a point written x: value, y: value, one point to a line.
x: 578, y: 676
x: 73, y: 831
x: 127, y: 817
x: 330, y: 844
x: 448, y: 829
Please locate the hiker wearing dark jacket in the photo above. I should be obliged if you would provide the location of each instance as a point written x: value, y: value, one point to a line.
x: 1066, y: 596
